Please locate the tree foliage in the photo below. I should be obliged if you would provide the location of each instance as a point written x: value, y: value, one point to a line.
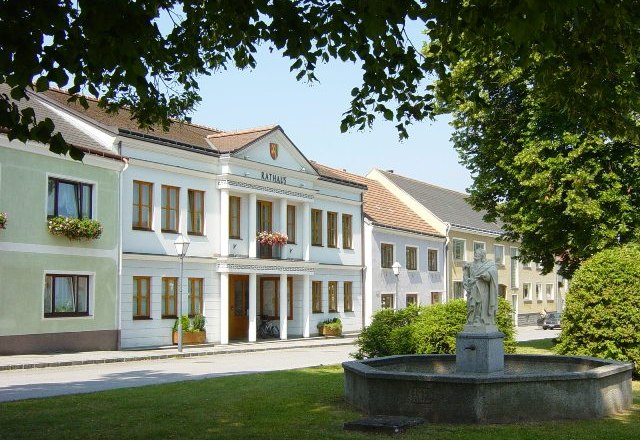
x: 149, y: 54
x: 425, y: 330
x: 546, y: 116
x: 602, y: 313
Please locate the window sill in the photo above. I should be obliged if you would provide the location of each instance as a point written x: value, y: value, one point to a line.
x: 168, y: 231
x: 317, y: 245
x: 234, y: 238
x: 169, y: 317
x: 196, y: 234
x: 136, y: 228
x: 551, y: 300
x: 528, y: 301
x: 66, y: 315
x: 142, y: 318
x: 332, y: 247
x: 317, y: 313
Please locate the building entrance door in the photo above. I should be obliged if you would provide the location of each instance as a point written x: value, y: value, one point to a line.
x: 238, y: 306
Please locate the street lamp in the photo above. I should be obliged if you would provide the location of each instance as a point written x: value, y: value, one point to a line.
x: 396, y: 271
x: 181, y: 244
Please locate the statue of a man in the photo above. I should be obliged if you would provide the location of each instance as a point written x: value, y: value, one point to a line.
x: 480, y: 280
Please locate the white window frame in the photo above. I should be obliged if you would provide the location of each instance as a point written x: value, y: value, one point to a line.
x: 453, y: 284
x: 501, y: 261
x: 417, y: 257
x: 411, y: 293
x: 476, y: 243
x: 92, y: 292
x: 393, y: 258
x: 549, y: 294
x: 393, y: 296
x: 526, y: 288
x: 538, y: 291
x: 464, y: 249
x: 437, y: 260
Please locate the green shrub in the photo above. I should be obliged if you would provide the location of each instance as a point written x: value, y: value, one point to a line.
x: 331, y: 323
x: 602, y: 310
x: 375, y: 340
x: 186, y: 324
x: 197, y: 323
x: 424, y: 330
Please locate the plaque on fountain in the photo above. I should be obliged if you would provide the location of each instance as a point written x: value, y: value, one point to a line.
x: 480, y: 345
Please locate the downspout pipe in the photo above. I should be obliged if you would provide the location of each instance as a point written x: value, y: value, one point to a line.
x: 447, y: 275
x: 119, y: 249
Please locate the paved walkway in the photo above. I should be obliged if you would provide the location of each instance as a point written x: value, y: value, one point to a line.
x: 27, y: 361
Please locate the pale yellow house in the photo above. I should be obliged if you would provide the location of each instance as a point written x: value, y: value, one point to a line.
x: 529, y: 291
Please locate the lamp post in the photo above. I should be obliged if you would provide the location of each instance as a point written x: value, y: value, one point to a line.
x: 181, y: 244
x: 396, y: 271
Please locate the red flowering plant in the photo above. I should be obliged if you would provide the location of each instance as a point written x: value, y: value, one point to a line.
x: 75, y: 228
x: 272, y: 238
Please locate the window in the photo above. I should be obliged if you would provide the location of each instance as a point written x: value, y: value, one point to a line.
x: 170, y: 212
x: 332, y: 229
x: 141, y: 297
x: 196, y: 298
x: 69, y: 199
x: 436, y: 297
x: 458, y: 290
x: 549, y: 291
x: 333, y: 296
x: 316, y: 227
x: 479, y: 245
x: 142, y: 205
x: 411, y: 258
x: 499, y: 253
x: 234, y: 217
x: 538, y: 291
x: 411, y: 299
x: 459, y: 249
x: 66, y: 295
x: 526, y: 291
x: 386, y: 255
x: 270, y: 298
x: 348, y: 296
x: 433, y: 260
x: 347, y: 232
x: 316, y: 296
x: 291, y: 223
x: 169, y: 297
x: 515, y: 278
x: 386, y: 300
x: 195, y: 216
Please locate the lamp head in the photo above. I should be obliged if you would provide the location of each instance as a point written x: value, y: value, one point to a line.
x: 182, y: 245
x: 396, y: 268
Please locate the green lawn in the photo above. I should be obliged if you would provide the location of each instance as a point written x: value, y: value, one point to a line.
x: 541, y: 346
x: 299, y: 404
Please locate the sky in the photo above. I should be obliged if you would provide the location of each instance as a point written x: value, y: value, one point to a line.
x: 310, y: 115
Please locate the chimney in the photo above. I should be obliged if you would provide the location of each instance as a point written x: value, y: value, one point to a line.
x: 390, y: 171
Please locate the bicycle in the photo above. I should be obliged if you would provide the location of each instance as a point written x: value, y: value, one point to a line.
x: 268, y: 329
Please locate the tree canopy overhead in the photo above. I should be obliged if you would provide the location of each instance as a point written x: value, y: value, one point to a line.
x: 545, y: 95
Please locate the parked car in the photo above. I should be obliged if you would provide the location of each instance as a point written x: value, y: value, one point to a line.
x: 551, y: 321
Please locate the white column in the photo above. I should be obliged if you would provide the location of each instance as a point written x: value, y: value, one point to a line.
x: 251, y: 235
x: 224, y: 222
x: 306, y: 231
x: 284, y: 310
x: 306, y: 300
x: 252, y: 307
x: 283, y: 225
x: 224, y: 308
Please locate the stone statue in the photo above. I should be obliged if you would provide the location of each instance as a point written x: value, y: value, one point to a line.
x: 480, y: 280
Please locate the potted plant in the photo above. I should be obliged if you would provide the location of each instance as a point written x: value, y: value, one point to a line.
x: 75, y: 228
x: 193, y: 331
x: 266, y: 238
x: 330, y: 327
x: 3, y: 220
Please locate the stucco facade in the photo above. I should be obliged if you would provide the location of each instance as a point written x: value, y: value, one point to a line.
x: 31, y: 256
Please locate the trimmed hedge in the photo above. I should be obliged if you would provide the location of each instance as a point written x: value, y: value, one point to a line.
x: 602, y: 309
x: 424, y: 330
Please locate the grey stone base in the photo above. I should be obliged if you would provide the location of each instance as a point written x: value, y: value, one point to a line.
x: 60, y: 342
x: 479, y: 352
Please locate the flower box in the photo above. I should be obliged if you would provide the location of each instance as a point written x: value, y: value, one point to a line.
x: 75, y: 228
x: 330, y: 331
x: 3, y: 220
x: 191, y: 338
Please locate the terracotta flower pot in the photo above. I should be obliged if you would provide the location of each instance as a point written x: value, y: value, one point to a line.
x: 191, y: 338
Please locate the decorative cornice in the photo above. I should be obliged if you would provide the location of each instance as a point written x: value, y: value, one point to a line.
x: 233, y: 184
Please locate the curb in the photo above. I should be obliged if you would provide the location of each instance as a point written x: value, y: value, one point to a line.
x: 225, y: 349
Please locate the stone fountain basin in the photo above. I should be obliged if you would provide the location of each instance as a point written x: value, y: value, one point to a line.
x: 531, y: 388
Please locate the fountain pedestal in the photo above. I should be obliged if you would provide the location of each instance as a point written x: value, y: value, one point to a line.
x: 480, y: 349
